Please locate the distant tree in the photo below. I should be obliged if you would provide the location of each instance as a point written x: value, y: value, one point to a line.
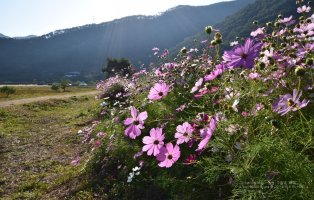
x: 55, y: 86
x: 7, y: 90
x: 117, y: 66
x: 64, y: 84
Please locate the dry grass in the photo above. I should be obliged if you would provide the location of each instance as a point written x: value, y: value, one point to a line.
x: 37, y: 143
x: 45, y: 90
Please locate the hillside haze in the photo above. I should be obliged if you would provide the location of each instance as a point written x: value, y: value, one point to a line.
x: 85, y: 49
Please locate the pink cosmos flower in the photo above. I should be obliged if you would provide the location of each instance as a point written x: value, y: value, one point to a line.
x: 101, y: 134
x: 204, y: 91
x: 135, y: 123
x: 244, y: 114
x: 305, y: 30
x: 181, y: 108
x: 288, y: 102
x: 203, y: 41
x: 159, y: 91
x: 165, y: 53
x: 97, y: 143
x: 308, y: 48
x: 201, y: 93
x: 76, y: 161
x: 215, y: 73
x: 288, y: 21
x: 184, y: 133
x: 168, y: 155
x: 197, y: 85
x: 206, y: 134
x: 254, y: 76
x: 156, y: 50
x: 259, y: 31
x: 154, y: 142
x: 242, y: 55
x: 304, y: 9
x: 190, y: 160
x: 138, y: 154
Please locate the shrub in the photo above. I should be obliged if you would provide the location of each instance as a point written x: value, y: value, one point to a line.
x: 55, y: 86
x: 64, y: 84
x: 7, y: 90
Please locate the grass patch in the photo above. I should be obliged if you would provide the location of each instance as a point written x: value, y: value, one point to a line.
x: 38, y: 91
x: 37, y: 143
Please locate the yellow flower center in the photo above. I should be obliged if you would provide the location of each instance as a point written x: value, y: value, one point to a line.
x: 290, y: 103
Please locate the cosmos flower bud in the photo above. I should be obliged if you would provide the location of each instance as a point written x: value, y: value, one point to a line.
x: 255, y: 22
x: 213, y: 42
x: 218, y: 35
x: 207, y: 71
x: 208, y: 29
x: 261, y: 65
x: 269, y: 24
x: 276, y: 24
x: 309, y: 61
x: 279, y: 16
x: 218, y: 40
x: 284, y: 38
x: 207, y: 85
x: 299, y: 71
x: 183, y: 50
x: 274, y: 123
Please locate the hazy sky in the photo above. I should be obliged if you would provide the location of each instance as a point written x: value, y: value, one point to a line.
x: 38, y: 17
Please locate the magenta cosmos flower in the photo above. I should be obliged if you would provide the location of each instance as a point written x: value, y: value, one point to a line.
x: 168, y: 155
x: 190, y: 160
x: 215, y: 73
x: 135, y: 123
x: 184, y: 133
x: 242, y: 56
x: 288, y: 102
x: 206, y: 134
x: 154, y: 142
x: 159, y: 91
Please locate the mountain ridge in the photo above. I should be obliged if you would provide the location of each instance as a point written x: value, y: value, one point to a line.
x: 85, y: 49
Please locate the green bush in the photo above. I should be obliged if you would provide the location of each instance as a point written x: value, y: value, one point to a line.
x: 7, y: 90
x: 55, y: 86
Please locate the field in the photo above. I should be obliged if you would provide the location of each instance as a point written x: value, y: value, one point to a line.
x: 38, y: 142
x: 30, y: 91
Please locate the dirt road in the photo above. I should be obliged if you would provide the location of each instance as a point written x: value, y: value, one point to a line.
x: 43, y: 98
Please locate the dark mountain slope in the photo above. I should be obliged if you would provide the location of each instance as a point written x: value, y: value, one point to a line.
x: 3, y: 36
x: 240, y: 24
x: 85, y: 49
